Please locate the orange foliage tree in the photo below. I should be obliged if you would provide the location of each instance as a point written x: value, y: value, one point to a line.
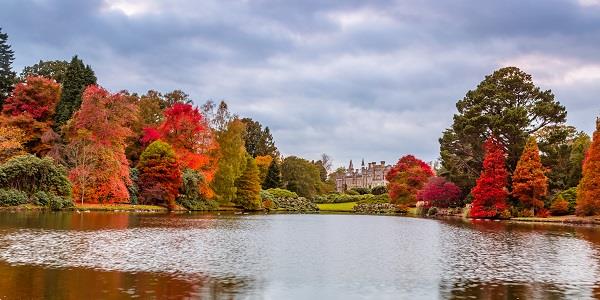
x: 588, y: 191
x: 31, y: 108
x: 159, y: 175
x: 11, y: 142
x: 97, y: 135
x: 263, y: 162
x: 406, y: 178
x: 490, y: 192
x: 187, y: 131
x: 529, y: 183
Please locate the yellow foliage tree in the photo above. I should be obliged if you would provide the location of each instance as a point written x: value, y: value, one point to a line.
x: 11, y: 142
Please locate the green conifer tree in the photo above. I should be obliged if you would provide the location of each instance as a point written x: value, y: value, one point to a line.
x: 7, y: 76
x: 77, y: 77
x: 273, y: 179
x: 248, y: 186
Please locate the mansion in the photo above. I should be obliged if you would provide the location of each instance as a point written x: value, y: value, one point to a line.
x: 368, y: 176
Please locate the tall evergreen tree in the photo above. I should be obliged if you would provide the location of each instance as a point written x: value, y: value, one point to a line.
x: 77, y: 77
x: 273, y: 179
x: 506, y: 104
x: 248, y: 186
x: 588, y: 192
x: 259, y: 141
x: 7, y: 76
x: 530, y: 185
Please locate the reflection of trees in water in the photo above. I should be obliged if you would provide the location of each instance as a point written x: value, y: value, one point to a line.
x: 31, y: 282
x: 508, y: 260
x: 504, y: 290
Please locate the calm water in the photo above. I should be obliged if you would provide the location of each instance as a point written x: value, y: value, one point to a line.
x: 119, y: 255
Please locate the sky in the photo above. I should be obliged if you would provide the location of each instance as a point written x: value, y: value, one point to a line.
x: 353, y: 79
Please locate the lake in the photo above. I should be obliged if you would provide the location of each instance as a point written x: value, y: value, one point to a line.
x: 64, y: 255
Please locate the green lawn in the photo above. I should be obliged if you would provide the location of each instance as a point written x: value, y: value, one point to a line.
x: 341, y: 207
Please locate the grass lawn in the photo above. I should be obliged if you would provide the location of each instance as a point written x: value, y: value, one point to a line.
x: 111, y: 207
x: 341, y: 207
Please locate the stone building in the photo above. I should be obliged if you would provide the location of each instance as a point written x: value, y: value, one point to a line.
x: 368, y: 176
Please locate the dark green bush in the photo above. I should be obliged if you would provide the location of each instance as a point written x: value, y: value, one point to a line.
x: 379, y: 190
x: 190, y: 195
x: 361, y: 190
x: 31, y: 174
x: 12, y: 197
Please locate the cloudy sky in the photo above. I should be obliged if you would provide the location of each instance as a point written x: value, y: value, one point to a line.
x: 354, y: 79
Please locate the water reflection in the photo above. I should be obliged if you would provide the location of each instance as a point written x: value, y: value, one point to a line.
x: 122, y: 255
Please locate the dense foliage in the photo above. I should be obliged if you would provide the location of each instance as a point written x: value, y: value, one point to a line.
x: 258, y: 141
x: 159, y: 175
x: 31, y: 109
x: 588, y: 192
x: 7, y: 75
x: 506, y: 104
x: 77, y: 77
x: 53, y: 69
x: 273, y: 177
x: 97, y: 137
x: 248, y: 187
x: 440, y: 193
x: 407, y: 177
x: 232, y: 162
x: 490, y: 192
x: 529, y: 184
x: 300, y: 176
x: 30, y: 174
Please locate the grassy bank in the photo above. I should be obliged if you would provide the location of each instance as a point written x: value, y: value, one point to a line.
x: 119, y: 207
x: 337, y: 207
x: 561, y: 219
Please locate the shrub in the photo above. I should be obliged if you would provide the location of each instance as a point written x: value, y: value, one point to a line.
x: 379, y: 190
x: 282, y: 193
x: 190, y: 193
x: 432, y: 211
x: 41, y: 198
x: 361, y: 190
x: 440, y: 193
x: 31, y: 174
x: 12, y: 197
x: 560, y: 206
x: 352, y: 193
x: 569, y: 195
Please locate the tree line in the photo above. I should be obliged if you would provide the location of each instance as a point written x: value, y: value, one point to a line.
x: 153, y: 148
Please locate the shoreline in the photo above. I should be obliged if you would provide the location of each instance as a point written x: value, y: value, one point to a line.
x: 571, y: 220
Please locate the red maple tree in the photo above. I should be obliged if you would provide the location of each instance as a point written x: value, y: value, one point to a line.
x: 159, y: 175
x: 439, y: 193
x: 99, y: 129
x: 187, y: 131
x: 31, y: 108
x: 406, y: 178
x: 490, y: 192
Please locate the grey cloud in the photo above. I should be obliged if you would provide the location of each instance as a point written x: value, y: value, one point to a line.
x: 355, y: 79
